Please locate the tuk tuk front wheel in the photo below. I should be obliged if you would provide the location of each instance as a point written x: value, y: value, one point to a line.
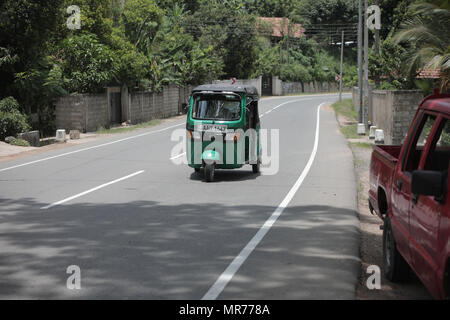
x: 256, y: 167
x: 209, y: 172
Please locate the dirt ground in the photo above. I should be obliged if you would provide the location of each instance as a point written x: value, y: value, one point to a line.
x: 371, y: 246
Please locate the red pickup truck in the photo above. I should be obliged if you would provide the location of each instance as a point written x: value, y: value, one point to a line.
x: 410, y: 191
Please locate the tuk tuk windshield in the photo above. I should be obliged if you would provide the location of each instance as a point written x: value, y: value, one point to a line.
x: 226, y: 107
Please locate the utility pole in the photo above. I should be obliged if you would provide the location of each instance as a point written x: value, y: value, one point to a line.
x: 377, y: 37
x: 342, y: 63
x: 287, y: 44
x: 366, y: 66
x: 360, y: 69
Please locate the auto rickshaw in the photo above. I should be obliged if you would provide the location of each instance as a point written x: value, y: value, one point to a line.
x: 222, y: 129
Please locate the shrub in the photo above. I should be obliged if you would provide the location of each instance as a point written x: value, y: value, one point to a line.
x: 12, y: 121
x: 20, y: 143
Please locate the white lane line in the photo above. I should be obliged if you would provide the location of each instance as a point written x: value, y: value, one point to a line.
x: 237, y: 262
x: 178, y: 156
x: 93, y: 147
x: 280, y: 105
x: 91, y: 190
x: 137, y: 136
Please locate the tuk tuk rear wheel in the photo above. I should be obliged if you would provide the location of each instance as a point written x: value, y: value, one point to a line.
x: 197, y: 170
x: 209, y: 172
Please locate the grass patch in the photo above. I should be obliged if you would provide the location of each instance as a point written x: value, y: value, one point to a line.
x: 20, y: 143
x: 147, y: 124
x: 362, y: 145
x: 346, y: 109
x: 350, y: 132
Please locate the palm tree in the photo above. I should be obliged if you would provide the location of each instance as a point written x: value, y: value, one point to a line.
x: 426, y: 34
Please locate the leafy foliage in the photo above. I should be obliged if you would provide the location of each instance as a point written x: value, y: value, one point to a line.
x: 12, y: 121
x: 230, y: 30
x: 20, y: 143
x: 89, y: 64
x: 387, y: 68
x: 427, y: 38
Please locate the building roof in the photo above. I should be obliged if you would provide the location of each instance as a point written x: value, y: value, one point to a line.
x: 280, y: 27
x: 249, y: 90
x: 429, y: 74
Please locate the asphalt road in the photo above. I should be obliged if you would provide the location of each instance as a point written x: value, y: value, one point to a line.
x: 140, y: 226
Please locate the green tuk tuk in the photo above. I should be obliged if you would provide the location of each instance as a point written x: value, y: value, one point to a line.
x: 223, y: 129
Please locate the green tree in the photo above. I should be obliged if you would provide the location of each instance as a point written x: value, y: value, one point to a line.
x: 141, y: 20
x: 326, y: 11
x: 387, y: 68
x: 88, y: 64
x: 230, y: 30
x: 427, y: 38
x: 96, y: 18
x: 26, y: 27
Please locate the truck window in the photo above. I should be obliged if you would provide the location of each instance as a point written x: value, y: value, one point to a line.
x: 415, y: 152
x: 439, y: 154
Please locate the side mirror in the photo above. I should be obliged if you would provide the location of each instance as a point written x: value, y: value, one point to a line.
x: 429, y: 183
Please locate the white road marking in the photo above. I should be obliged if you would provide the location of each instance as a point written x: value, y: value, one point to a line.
x: 237, y: 262
x: 178, y: 156
x: 93, y: 147
x: 91, y: 190
x: 141, y: 135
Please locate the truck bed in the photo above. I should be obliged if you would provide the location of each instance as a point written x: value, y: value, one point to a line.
x: 390, y: 153
x: 382, y: 166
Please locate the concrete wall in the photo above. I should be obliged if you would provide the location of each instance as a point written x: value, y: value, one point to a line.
x: 96, y: 112
x: 69, y: 112
x: 309, y: 87
x: 89, y: 112
x: 84, y: 112
x: 393, y: 111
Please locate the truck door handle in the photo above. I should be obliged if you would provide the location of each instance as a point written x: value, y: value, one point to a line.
x: 399, y: 184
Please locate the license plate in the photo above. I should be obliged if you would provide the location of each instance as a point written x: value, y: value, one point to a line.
x: 212, y: 127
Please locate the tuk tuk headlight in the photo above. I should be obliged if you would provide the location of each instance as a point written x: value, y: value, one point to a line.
x: 194, y: 135
x: 232, y: 136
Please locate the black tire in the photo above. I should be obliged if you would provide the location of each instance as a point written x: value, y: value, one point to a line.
x: 395, y: 267
x: 256, y: 167
x: 209, y: 172
x: 197, y: 170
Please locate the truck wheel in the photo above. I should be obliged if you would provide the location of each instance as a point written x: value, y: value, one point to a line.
x: 209, y: 172
x: 256, y: 167
x: 395, y: 267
